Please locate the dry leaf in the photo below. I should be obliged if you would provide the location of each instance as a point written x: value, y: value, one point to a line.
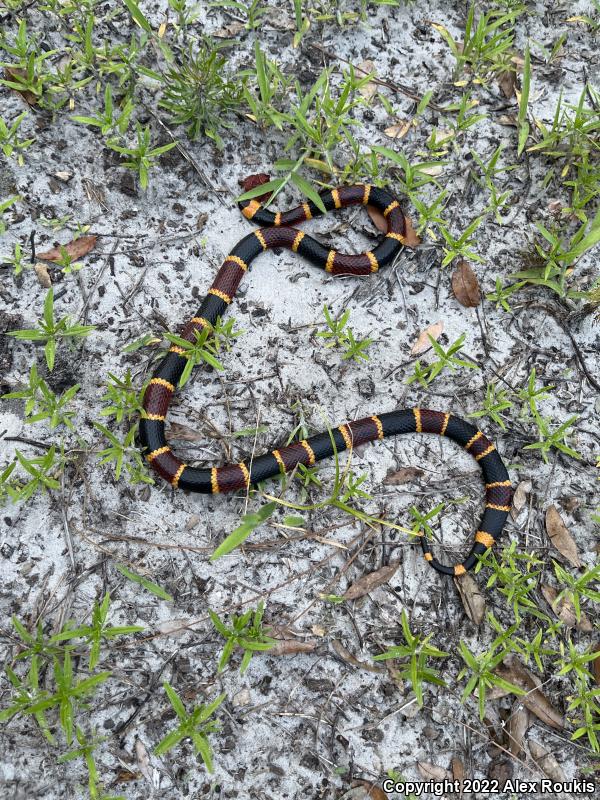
x: 125, y: 775
x: 252, y: 181
x: 229, y: 31
x: 13, y: 74
x: 378, y: 219
x: 560, y: 536
x: 402, y: 475
x: 175, y: 627
x: 596, y: 664
x: 373, y: 792
x: 63, y: 176
x: 458, y: 770
x: 143, y: 761
x: 431, y: 772
x: 565, y: 610
x: 76, y: 249
x: 183, y: 433
x: 422, y: 344
x: 192, y: 522
x: 362, y: 790
x: 347, y: 656
x: 546, y: 761
x: 398, y: 131
x: 505, y: 119
x: 535, y: 700
x: 410, y: 235
x: 472, y: 597
x: 289, y: 647
x: 465, y: 285
x: 41, y: 271
x: 555, y: 207
x: 507, y: 81
x: 520, y: 498
x: 495, y: 693
x: 434, y: 171
x: 518, y: 725
x: 369, y: 90
x: 371, y: 581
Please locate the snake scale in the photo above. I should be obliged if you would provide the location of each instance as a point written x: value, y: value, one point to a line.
x: 278, y: 231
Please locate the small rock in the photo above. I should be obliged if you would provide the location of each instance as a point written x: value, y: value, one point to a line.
x: 242, y: 698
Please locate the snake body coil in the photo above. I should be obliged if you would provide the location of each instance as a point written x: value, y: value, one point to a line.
x: 233, y: 477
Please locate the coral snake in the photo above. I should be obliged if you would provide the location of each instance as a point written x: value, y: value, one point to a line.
x: 278, y: 232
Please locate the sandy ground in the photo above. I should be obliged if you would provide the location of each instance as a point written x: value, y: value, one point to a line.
x: 306, y: 725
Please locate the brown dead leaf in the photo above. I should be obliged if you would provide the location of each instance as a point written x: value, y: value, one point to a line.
x: 518, y: 725
x: 555, y: 207
x: 507, y: 81
x: 143, y: 760
x: 125, y: 775
x: 183, y: 433
x: 399, y: 130
x: 520, y: 498
x: 565, y: 611
x: 76, y: 249
x: 369, y: 90
x: 465, y: 285
x: 362, y: 790
x: 495, y: 693
x: 377, y: 219
x: 373, y: 792
x: 410, y: 235
x: 347, y: 656
x: 17, y: 76
x: 192, y: 522
x: 370, y: 581
x: 560, y: 536
x: 422, y: 344
x: 252, y: 181
x: 472, y: 597
x: 535, y: 700
x: 229, y: 31
x: 546, y: 761
x: 289, y: 647
x: 510, y: 120
x: 41, y: 271
x: 431, y: 772
x: 458, y: 770
x: 402, y: 475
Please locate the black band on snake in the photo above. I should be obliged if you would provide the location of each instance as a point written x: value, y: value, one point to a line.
x: 232, y: 477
